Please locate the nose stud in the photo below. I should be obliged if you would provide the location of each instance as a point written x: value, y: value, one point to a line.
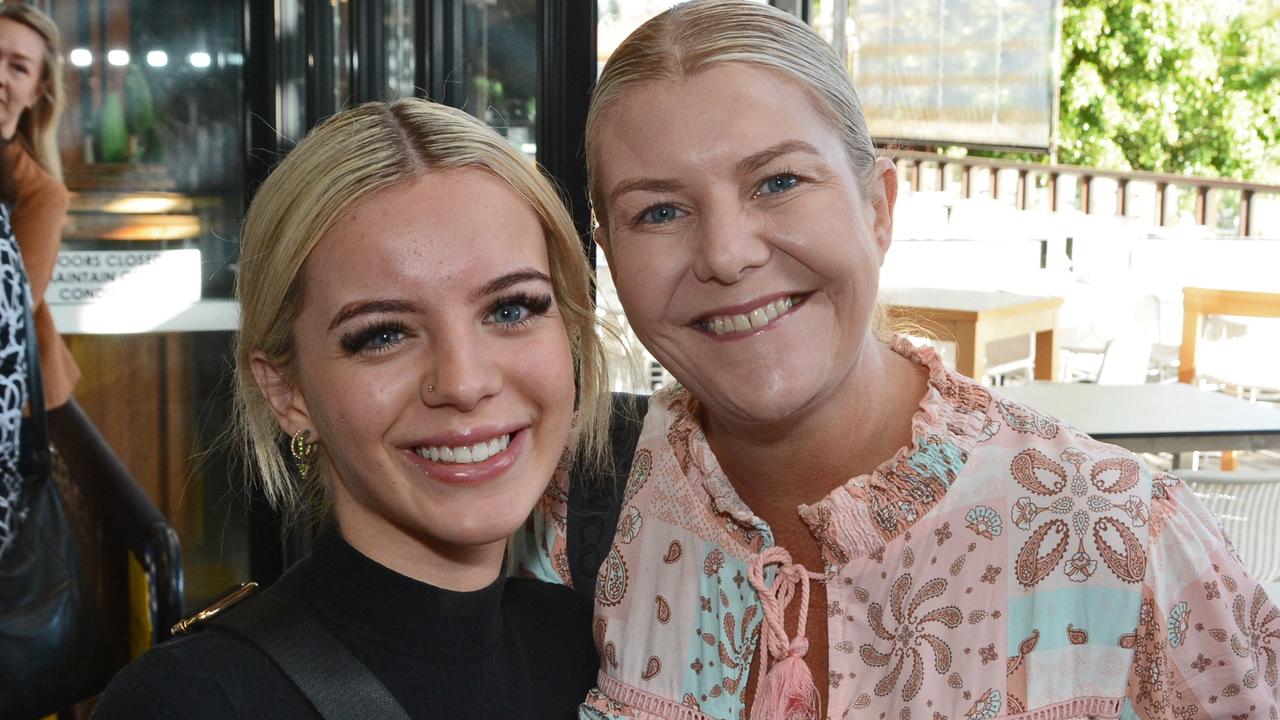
x: 431, y: 388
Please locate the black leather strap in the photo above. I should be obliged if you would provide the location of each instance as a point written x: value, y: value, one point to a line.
x: 595, y: 499
x: 339, y: 686
x: 33, y: 458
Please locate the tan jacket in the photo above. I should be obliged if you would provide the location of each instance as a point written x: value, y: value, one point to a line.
x: 37, y: 225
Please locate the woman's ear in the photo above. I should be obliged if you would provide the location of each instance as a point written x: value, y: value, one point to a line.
x: 288, y: 404
x: 601, y: 236
x: 884, y: 194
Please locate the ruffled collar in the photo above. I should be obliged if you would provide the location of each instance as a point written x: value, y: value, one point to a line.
x: 865, y: 512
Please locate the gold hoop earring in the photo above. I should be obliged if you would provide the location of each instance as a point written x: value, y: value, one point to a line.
x: 304, y: 453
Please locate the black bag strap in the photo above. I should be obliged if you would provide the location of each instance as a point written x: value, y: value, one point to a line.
x: 35, y: 458
x: 595, y: 499
x: 339, y: 686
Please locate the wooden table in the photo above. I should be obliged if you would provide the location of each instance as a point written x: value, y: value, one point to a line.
x: 1199, y: 302
x: 973, y: 318
x: 1155, y: 418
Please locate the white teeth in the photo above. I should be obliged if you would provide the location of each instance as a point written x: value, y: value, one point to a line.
x: 465, y: 453
x: 757, y: 318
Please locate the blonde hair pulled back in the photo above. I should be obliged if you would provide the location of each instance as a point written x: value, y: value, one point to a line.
x: 38, y: 126
x: 694, y: 36
x: 342, y: 162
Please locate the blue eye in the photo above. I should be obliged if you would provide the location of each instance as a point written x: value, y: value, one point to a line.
x: 777, y: 184
x: 510, y: 314
x: 516, y: 310
x: 375, y: 338
x: 660, y: 214
x: 383, y: 339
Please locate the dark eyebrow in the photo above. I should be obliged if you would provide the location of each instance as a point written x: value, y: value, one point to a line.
x: 645, y: 185
x: 370, y: 307
x: 512, y: 278
x: 754, y: 162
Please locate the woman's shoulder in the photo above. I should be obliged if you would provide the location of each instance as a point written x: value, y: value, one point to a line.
x: 208, y: 674
x: 33, y: 179
x: 550, y: 603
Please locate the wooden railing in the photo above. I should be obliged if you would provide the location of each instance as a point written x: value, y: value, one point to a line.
x: 916, y: 166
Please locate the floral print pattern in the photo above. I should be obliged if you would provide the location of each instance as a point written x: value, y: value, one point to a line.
x: 1003, y: 565
x: 909, y: 635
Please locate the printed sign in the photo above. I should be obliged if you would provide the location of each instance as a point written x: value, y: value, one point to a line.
x: 125, y: 277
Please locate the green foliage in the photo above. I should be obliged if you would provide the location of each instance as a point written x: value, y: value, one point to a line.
x: 113, y: 135
x: 139, y: 113
x: 1183, y: 86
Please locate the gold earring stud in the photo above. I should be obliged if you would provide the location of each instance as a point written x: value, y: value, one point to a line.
x: 304, y: 452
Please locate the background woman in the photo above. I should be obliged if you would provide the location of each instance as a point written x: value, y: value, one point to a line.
x: 817, y: 502
x: 415, y: 316
x: 30, y: 106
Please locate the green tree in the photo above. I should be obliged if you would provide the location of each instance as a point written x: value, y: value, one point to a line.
x: 1184, y: 86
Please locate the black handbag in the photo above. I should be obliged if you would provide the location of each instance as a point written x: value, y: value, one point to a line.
x: 50, y: 647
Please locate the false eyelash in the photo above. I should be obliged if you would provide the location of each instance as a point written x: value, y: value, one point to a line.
x: 357, y: 341
x: 537, y: 305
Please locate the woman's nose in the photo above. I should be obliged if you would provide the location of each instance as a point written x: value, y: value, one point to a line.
x: 461, y: 373
x: 729, y: 244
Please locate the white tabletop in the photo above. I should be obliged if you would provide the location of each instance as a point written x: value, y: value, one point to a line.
x: 1155, y: 418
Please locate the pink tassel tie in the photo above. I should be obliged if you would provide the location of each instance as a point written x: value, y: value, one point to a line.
x: 787, y: 691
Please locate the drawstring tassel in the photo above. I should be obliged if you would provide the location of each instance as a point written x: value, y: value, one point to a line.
x: 786, y: 691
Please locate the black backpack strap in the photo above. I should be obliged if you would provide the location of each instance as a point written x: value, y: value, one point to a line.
x: 339, y: 686
x: 595, y: 499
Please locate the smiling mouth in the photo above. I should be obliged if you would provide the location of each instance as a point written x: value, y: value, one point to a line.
x: 753, y: 319
x: 464, y: 454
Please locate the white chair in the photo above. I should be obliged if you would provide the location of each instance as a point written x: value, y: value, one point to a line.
x: 1125, y: 361
x: 1248, y: 505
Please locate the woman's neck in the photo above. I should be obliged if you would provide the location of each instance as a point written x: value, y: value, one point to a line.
x: 859, y: 425
x: 462, y: 568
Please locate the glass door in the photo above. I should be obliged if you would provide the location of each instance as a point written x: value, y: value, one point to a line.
x: 500, y: 68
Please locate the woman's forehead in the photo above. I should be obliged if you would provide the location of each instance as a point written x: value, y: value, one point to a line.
x: 719, y: 115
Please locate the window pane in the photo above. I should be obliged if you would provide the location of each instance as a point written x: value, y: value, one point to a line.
x: 341, y: 52
x: 399, y: 52
x: 501, y: 67
x: 151, y: 145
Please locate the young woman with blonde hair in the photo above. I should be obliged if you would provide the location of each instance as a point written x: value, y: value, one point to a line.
x: 31, y: 101
x: 822, y: 521
x: 416, y: 319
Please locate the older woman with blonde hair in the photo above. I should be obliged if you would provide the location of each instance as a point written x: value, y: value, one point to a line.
x: 31, y: 100
x: 416, y: 320
x: 821, y: 520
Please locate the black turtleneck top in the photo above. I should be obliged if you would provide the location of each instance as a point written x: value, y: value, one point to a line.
x: 516, y: 649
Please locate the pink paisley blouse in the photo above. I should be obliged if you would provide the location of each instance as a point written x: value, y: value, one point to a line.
x: 1005, y: 565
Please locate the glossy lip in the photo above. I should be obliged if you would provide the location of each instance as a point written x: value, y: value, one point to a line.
x: 743, y: 309
x: 470, y: 436
x: 491, y: 468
